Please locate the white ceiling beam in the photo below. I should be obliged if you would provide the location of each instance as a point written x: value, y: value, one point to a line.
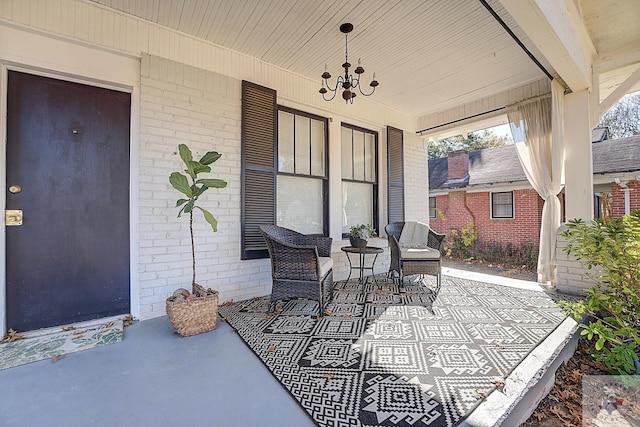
x: 609, y: 61
x: 559, y: 33
x: 620, y: 91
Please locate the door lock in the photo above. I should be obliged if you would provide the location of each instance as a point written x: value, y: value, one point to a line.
x: 15, y: 189
x: 13, y: 217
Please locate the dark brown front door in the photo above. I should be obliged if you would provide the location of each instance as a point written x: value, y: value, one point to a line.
x: 68, y: 172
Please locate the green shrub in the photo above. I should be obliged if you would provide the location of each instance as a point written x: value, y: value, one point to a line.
x: 611, y: 252
x: 458, y: 242
x: 464, y: 244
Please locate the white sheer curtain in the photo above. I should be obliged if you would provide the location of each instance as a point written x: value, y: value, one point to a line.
x: 539, y: 125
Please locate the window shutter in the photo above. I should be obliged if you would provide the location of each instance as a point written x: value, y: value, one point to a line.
x: 259, y: 121
x: 395, y: 156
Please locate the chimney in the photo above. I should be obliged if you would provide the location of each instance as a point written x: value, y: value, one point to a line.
x: 458, y: 163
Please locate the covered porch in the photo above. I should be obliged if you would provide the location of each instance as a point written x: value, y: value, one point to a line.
x: 443, y: 69
x: 154, y: 377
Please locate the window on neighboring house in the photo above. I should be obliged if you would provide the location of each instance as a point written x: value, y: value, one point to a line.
x: 502, y: 205
x: 359, y: 177
x: 432, y: 207
x: 301, y: 182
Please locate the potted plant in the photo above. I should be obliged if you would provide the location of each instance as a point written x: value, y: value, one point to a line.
x: 194, y: 312
x: 359, y: 234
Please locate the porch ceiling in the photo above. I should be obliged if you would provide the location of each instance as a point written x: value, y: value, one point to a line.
x: 429, y: 56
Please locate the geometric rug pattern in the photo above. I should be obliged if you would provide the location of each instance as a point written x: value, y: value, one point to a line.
x: 53, y: 343
x: 396, y: 356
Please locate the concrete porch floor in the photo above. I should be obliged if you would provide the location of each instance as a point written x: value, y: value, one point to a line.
x: 156, y: 378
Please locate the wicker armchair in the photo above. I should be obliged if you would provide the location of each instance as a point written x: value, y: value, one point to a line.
x: 407, y: 262
x: 301, y: 266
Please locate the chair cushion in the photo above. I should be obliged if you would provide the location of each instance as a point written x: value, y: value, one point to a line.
x: 414, y: 235
x: 419, y: 253
x: 325, y: 264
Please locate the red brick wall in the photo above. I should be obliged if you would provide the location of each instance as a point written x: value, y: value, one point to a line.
x: 459, y: 208
x: 617, y: 203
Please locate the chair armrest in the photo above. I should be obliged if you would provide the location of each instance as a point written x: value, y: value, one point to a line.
x: 435, y: 239
x: 394, y: 246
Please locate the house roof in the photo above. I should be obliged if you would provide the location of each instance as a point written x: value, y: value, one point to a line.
x: 501, y: 165
x: 617, y: 155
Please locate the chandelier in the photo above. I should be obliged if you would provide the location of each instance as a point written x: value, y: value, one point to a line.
x: 347, y: 83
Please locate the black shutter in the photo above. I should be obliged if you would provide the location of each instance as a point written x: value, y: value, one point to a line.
x: 395, y: 156
x: 259, y: 121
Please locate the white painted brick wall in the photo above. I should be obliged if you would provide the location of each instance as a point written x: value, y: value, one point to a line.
x: 183, y: 104
x: 416, y: 179
x: 572, y: 274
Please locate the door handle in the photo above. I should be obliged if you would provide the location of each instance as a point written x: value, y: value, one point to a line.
x: 13, y: 217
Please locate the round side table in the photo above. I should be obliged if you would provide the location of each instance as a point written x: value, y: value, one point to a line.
x: 361, y: 267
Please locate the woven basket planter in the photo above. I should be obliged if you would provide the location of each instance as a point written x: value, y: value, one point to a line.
x: 193, y: 316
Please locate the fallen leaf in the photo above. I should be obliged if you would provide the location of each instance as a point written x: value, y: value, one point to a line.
x: 271, y: 349
x: 12, y: 336
x: 77, y: 337
x: 127, y: 320
x: 56, y: 357
x: 328, y: 376
x: 226, y: 303
x: 499, y: 382
x: 69, y: 328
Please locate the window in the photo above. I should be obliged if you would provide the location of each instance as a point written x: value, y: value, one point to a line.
x: 359, y: 177
x: 432, y: 207
x: 301, y: 182
x: 502, y: 205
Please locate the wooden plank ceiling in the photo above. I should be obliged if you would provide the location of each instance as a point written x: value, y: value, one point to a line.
x: 428, y: 55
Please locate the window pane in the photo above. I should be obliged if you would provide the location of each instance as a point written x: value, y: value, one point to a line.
x: 357, y: 204
x: 502, y: 205
x: 369, y: 158
x: 358, y: 155
x: 285, y: 142
x: 432, y: 207
x: 303, y: 145
x: 347, y: 154
x: 317, y: 148
x: 299, y: 204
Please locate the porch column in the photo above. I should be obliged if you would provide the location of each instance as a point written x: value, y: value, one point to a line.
x: 578, y: 162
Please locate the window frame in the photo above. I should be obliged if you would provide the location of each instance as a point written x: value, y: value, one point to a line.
x: 324, y: 178
x: 433, y: 209
x: 513, y: 205
x: 375, y: 183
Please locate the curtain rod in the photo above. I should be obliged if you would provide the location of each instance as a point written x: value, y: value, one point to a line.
x: 529, y: 100
x: 524, y: 101
x: 515, y: 38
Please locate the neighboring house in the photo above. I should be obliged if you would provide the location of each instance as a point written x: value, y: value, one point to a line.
x: 489, y: 189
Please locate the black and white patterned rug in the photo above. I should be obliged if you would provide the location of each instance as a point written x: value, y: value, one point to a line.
x: 397, y: 357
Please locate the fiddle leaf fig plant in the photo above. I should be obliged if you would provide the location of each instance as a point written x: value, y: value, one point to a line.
x: 191, y: 186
